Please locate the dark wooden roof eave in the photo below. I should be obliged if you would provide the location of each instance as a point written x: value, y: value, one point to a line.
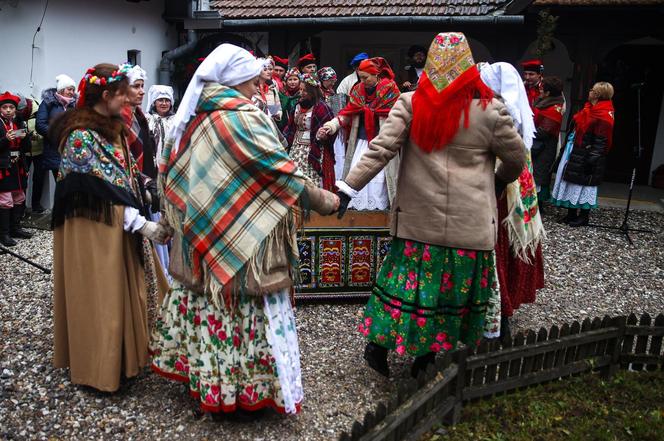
x: 349, y: 22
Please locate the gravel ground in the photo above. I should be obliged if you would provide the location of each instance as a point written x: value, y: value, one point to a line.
x: 589, y: 272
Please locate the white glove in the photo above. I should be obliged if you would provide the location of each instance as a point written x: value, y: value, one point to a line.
x: 156, y: 232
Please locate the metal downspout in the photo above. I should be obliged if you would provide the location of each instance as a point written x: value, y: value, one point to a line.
x: 166, y: 64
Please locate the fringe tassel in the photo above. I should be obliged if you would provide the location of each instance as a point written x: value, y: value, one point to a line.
x: 83, y: 205
x: 520, y: 249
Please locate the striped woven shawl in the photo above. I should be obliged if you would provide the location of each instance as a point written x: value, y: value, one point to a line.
x: 228, y: 188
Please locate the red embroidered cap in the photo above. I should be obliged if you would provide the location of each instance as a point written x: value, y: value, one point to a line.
x: 9, y: 98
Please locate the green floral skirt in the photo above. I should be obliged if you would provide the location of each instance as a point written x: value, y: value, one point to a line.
x: 243, y: 357
x: 427, y: 298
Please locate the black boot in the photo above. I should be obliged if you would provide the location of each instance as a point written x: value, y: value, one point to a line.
x: 582, y: 220
x: 5, y: 238
x: 570, y: 217
x: 421, y: 363
x: 376, y: 356
x: 15, y: 229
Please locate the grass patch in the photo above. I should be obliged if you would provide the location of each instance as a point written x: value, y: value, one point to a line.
x: 630, y: 406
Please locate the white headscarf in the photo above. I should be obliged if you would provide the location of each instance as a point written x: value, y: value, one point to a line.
x: 504, y: 80
x: 228, y: 65
x: 159, y: 91
x: 136, y: 73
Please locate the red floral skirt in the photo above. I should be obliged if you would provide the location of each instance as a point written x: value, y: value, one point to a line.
x: 519, y: 281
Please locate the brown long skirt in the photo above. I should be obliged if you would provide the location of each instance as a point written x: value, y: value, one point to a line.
x: 100, y: 303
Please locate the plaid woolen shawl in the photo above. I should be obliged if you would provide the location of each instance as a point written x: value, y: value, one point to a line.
x: 140, y: 141
x: 231, y: 182
x: 321, y: 152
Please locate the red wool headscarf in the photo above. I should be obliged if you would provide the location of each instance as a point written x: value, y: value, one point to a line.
x: 598, y: 119
x: 377, y: 66
x: 375, y: 104
x: 447, y: 87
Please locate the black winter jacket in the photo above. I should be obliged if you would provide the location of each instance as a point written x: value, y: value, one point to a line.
x: 49, y: 108
x: 587, y: 162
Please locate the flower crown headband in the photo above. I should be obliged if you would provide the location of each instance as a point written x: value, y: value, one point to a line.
x: 89, y: 78
x: 117, y: 75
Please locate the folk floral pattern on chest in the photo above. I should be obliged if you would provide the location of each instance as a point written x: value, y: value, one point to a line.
x: 87, y: 153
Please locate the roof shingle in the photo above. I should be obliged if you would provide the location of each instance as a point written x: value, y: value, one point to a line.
x: 238, y: 9
x: 597, y: 2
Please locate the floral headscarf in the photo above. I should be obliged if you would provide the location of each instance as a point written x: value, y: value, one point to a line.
x: 327, y: 73
x: 448, y: 85
x: 293, y: 72
x: 310, y: 79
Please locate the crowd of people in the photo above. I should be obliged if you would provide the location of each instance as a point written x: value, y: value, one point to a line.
x: 175, y: 231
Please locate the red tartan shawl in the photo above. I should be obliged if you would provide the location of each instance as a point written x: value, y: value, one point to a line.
x: 134, y: 141
x: 437, y: 115
x: 598, y: 119
x: 370, y: 106
x: 549, y: 115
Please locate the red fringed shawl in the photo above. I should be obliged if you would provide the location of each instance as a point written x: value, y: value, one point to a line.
x: 549, y: 115
x: 598, y: 118
x: 437, y: 115
x: 371, y: 106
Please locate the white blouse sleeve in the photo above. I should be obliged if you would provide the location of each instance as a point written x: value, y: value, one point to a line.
x: 133, y: 220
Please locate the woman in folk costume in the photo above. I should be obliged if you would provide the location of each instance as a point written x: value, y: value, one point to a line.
x: 519, y: 261
x: 141, y: 144
x: 15, y: 142
x: 434, y: 286
x: 369, y: 103
x: 267, y: 98
x: 328, y: 79
x: 583, y: 161
x: 160, y: 101
x: 312, y: 155
x: 143, y: 148
x: 230, y: 191
x: 290, y: 96
x: 159, y: 117
x: 100, y: 249
x: 549, y: 110
x: 336, y: 101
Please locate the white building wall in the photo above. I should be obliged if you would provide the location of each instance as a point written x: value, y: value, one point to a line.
x: 76, y: 35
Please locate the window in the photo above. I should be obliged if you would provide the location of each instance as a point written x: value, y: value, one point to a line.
x: 134, y: 57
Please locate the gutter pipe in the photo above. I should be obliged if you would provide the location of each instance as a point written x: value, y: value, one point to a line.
x: 328, y: 22
x: 166, y: 64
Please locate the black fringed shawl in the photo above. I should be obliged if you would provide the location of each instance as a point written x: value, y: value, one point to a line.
x: 95, y: 175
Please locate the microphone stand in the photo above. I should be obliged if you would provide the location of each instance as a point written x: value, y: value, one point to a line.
x: 624, y: 228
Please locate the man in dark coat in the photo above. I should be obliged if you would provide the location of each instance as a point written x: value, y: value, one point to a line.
x: 533, y: 71
x: 417, y: 56
x: 549, y: 108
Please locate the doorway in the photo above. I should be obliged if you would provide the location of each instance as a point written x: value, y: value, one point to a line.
x: 625, y: 67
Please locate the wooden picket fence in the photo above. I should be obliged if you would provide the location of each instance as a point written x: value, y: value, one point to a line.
x: 496, y: 367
